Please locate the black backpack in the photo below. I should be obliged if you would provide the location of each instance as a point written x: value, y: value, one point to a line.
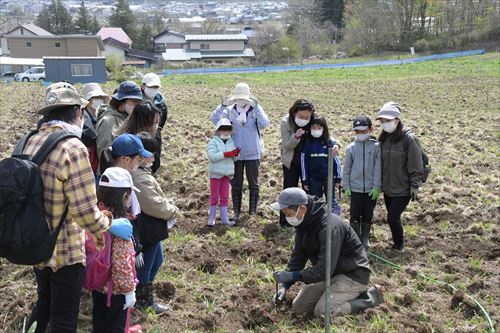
x: 425, y: 158
x: 25, y: 237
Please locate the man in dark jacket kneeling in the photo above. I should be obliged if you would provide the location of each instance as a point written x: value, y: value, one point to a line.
x: 350, y: 270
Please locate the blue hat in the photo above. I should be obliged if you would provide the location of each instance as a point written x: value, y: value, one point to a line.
x: 128, y: 90
x: 127, y: 145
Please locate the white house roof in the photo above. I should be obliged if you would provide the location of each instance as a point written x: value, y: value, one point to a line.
x: 115, y: 33
x: 192, y: 19
x: 217, y: 37
x: 183, y: 54
x: 21, y: 61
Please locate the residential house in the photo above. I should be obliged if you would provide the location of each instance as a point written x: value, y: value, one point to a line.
x: 22, y: 30
x: 128, y: 55
x: 115, y: 33
x: 211, y: 48
x: 168, y: 39
x: 22, y: 46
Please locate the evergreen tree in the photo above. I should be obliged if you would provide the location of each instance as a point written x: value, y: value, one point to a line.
x: 83, y: 21
x: 331, y: 10
x: 55, y: 18
x: 43, y: 19
x: 145, y: 38
x: 123, y: 17
x: 95, y: 25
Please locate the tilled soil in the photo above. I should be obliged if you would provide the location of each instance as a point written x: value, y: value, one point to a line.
x: 220, y: 279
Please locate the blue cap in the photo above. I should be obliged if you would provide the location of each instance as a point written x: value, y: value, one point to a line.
x: 127, y: 145
x: 128, y: 90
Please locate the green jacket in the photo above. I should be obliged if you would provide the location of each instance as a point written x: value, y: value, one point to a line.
x: 108, y: 120
x: 401, y: 165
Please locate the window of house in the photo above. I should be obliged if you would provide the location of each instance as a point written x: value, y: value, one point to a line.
x: 81, y: 70
x: 58, y: 44
x: 28, y: 44
x: 204, y: 46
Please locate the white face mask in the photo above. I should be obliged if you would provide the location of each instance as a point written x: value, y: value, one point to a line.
x: 316, y: 133
x: 241, y: 103
x: 390, y: 126
x: 301, y: 122
x: 293, y: 220
x: 362, y: 137
x: 151, y: 92
x: 225, y: 137
x: 96, y: 103
x: 129, y: 108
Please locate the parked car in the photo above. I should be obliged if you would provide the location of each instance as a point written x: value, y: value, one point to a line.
x: 32, y: 74
x: 9, y: 73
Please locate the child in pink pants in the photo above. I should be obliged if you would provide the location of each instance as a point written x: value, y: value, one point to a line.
x: 221, y: 153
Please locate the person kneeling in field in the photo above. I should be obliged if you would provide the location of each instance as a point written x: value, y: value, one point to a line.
x: 350, y: 270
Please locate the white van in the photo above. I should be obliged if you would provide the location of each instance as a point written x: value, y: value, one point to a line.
x: 32, y: 74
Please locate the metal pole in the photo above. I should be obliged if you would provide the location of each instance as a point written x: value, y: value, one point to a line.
x: 328, y: 240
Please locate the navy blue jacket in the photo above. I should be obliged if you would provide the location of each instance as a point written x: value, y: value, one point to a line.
x: 314, y: 161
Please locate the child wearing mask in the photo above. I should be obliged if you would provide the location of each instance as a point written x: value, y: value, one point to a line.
x: 314, y: 162
x: 362, y: 177
x: 114, y: 196
x: 221, y: 153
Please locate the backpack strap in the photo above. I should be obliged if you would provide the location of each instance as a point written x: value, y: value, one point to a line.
x: 18, y: 150
x: 49, y: 144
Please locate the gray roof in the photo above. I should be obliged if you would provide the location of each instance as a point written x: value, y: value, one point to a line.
x: 217, y: 37
x: 33, y: 28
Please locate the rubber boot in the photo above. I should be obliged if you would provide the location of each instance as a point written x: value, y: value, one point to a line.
x: 236, y: 207
x: 157, y: 307
x: 211, y: 216
x: 368, y: 299
x: 223, y: 217
x: 365, y: 234
x: 356, y: 226
x: 254, y: 199
x: 141, y: 296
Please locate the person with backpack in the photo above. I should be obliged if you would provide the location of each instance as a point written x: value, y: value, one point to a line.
x: 402, y: 168
x: 222, y: 154
x: 111, y: 116
x: 248, y: 119
x: 95, y: 96
x: 156, y: 218
x: 70, y: 207
x: 150, y: 87
x: 113, y: 299
x: 314, y: 163
x: 361, y: 178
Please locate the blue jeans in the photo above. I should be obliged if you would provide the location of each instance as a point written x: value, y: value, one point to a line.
x: 153, y: 259
x: 319, y: 187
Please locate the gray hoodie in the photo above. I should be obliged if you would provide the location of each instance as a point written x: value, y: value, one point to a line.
x: 362, y: 166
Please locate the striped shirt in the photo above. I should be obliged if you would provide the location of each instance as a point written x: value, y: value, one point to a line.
x: 68, y: 180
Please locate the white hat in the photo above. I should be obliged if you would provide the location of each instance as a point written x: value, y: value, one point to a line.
x: 223, y: 122
x: 117, y: 177
x: 241, y: 91
x: 151, y: 80
x: 91, y: 90
x: 390, y: 110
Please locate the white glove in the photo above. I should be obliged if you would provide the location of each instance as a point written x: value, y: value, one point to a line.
x: 129, y: 300
x: 139, y: 260
x: 279, y: 296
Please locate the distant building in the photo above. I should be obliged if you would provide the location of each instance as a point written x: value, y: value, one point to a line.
x: 128, y: 55
x: 23, y: 46
x: 75, y: 69
x: 115, y: 33
x: 168, y: 39
x: 22, y: 30
x: 211, y: 48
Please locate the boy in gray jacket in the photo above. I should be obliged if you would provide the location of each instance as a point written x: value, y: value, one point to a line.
x: 361, y: 178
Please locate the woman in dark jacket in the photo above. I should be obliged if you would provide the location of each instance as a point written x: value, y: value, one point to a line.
x: 402, y: 168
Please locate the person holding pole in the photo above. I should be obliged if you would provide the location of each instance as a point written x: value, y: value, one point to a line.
x: 349, y: 271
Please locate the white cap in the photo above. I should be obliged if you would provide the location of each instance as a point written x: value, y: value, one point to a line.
x: 117, y: 177
x: 151, y: 80
x: 390, y: 110
x: 241, y: 91
x: 91, y: 90
x: 223, y: 122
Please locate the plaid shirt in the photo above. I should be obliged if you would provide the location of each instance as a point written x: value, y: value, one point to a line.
x: 68, y: 180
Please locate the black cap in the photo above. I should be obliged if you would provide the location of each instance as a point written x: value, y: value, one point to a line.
x: 361, y: 123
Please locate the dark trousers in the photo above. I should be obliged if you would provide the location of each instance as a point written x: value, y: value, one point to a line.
x: 106, y: 319
x: 319, y: 187
x: 362, y: 207
x: 58, y: 299
x: 252, y: 173
x: 153, y: 259
x: 395, y: 207
x: 291, y: 178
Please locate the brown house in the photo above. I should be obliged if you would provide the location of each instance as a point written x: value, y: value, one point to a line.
x: 55, y: 46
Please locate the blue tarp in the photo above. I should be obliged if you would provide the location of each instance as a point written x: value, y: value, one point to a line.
x: 321, y: 66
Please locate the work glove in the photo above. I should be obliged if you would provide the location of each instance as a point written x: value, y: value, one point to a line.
x: 139, y: 261
x: 280, y: 295
x: 414, y: 193
x: 129, y: 300
x: 232, y: 153
x: 286, y: 277
x: 374, y: 194
x: 121, y: 228
x: 347, y: 192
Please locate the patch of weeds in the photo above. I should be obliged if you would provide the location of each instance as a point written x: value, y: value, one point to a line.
x: 209, y: 304
x: 476, y: 263
x: 381, y: 323
x: 234, y: 236
x: 444, y: 225
x: 412, y: 230
x: 177, y: 239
